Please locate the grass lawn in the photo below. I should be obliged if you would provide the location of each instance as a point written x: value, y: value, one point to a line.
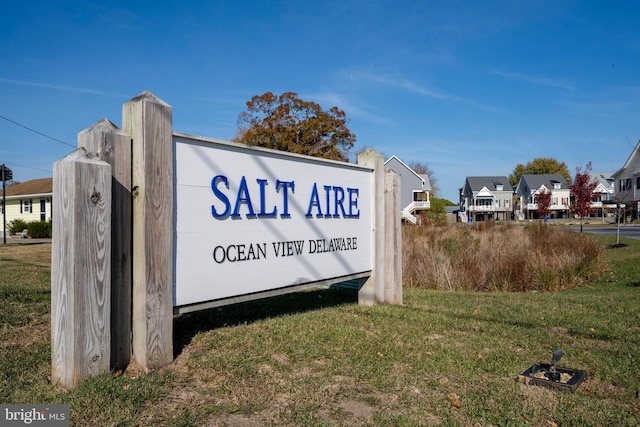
x: 318, y: 359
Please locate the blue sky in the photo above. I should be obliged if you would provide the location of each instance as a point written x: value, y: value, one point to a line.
x: 466, y: 87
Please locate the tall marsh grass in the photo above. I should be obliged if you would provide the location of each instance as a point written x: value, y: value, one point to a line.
x: 489, y: 257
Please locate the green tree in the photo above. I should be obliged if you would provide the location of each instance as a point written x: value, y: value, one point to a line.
x: 437, y: 214
x: 287, y: 123
x: 540, y: 165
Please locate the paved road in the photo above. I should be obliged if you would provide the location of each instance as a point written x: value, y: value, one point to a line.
x: 632, y: 232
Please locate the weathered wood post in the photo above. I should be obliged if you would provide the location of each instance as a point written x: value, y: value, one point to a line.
x: 393, y: 239
x: 372, y: 291
x: 80, y: 269
x: 112, y: 145
x: 148, y: 120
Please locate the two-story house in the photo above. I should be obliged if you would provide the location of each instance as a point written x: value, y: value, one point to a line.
x: 414, y: 189
x: 605, y: 192
x: 627, y: 178
x: 530, y: 185
x: 28, y: 201
x: 486, y: 197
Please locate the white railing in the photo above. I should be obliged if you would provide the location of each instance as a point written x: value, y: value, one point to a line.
x: 534, y: 206
x: 481, y: 208
x: 417, y: 205
x: 409, y: 217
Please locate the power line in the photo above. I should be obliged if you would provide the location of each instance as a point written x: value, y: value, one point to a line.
x: 27, y: 167
x: 35, y: 131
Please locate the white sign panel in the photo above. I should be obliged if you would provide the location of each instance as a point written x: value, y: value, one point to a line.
x: 250, y: 220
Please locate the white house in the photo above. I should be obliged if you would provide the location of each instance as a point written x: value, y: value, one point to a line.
x: 530, y: 185
x: 414, y: 189
x: 605, y: 191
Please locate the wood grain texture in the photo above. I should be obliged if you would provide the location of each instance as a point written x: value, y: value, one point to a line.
x: 113, y: 145
x: 148, y: 120
x: 80, y: 269
x: 393, y: 239
x: 372, y: 291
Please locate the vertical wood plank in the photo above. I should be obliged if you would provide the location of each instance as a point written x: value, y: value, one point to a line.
x: 372, y: 291
x: 112, y: 145
x: 148, y: 120
x: 80, y: 269
x: 393, y: 239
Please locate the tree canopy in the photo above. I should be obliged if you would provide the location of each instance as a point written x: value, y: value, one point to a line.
x: 543, y: 199
x: 540, y: 165
x: 287, y: 123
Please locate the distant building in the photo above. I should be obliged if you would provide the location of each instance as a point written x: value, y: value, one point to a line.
x: 627, y: 178
x: 530, y: 185
x: 414, y: 189
x: 28, y: 201
x: 486, y: 197
x: 627, y: 183
x: 605, y: 190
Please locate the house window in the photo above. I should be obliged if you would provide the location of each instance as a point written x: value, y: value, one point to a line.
x: 554, y: 200
x: 419, y: 196
x: 638, y: 183
x: 25, y: 206
x: 506, y: 203
x: 43, y: 210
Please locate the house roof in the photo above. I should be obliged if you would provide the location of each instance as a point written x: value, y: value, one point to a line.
x: 630, y: 160
x: 603, y: 180
x: 33, y: 187
x: 426, y: 184
x: 535, y: 181
x: 477, y: 183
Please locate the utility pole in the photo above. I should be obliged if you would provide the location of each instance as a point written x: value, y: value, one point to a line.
x: 7, y: 174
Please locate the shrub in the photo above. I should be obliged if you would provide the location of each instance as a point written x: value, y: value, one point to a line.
x: 39, y: 229
x: 489, y: 257
x: 16, y: 226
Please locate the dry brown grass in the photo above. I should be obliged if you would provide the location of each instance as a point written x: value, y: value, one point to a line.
x: 485, y: 257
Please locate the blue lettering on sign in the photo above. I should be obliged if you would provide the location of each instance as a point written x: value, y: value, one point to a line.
x: 221, y: 196
x: 243, y: 198
x: 336, y: 202
x: 333, y: 206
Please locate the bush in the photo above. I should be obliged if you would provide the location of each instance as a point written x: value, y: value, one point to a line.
x: 35, y: 229
x: 489, y: 257
x: 16, y: 226
x: 39, y: 229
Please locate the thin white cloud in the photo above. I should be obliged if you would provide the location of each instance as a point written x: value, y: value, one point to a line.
x: 537, y: 80
x: 60, y: 87
x: 399, y: 82
x: 352, y: 109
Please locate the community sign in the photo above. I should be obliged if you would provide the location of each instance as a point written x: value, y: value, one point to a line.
x: 250, y: 220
